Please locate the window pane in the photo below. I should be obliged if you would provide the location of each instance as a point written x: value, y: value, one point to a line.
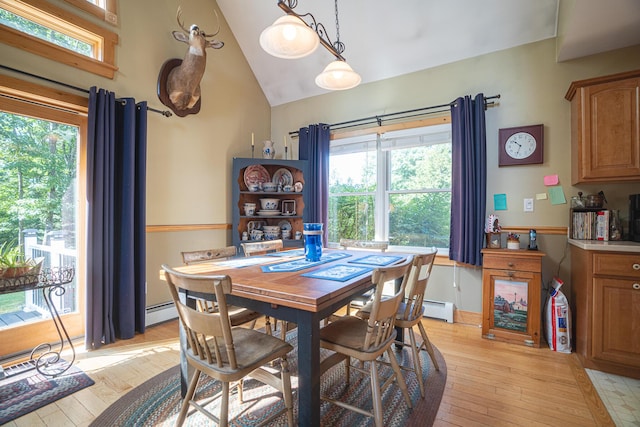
x: 38, y: 187
x: 29, y: 27
x: 418, y: 168
x: 352, y: 217
x: 420, y: 219
x: 352, y: 172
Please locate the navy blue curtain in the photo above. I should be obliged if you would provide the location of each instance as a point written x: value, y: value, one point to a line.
x: 314, y: 146
x: 469, y: 180
x: 116, y: 174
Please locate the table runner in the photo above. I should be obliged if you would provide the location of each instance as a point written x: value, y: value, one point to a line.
x: 301, y: 264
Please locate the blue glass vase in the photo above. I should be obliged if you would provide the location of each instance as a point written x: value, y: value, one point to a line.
x: 312, y: 232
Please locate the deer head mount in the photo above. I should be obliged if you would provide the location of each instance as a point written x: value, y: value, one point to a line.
x: 179, y: 80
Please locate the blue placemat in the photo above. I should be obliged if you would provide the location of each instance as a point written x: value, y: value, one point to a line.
x: 339, y: 273
x: 301, y: 264
x: 292, y: 252
x: 377, y: 260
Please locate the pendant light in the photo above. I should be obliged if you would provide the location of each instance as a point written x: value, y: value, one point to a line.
x: 292, y: 37
x: 289, y: 38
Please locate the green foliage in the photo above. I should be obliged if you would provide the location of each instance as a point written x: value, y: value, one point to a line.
x: 37, y: 175
x: 11, y: 256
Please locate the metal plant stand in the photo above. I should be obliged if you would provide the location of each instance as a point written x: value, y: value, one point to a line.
x: 45, y: 357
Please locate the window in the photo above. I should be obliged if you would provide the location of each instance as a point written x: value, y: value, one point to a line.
x: 42, y: 165
x: 43, y: 29
x: 393, y: 186
x: 101, y: 8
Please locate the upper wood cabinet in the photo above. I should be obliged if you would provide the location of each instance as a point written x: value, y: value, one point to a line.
x: 605, y: 128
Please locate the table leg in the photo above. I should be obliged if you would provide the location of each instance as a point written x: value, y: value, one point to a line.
x: 308, y: 369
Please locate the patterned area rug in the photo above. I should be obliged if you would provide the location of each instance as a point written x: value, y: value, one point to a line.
x: 157, y: 401
x: 26, y: 392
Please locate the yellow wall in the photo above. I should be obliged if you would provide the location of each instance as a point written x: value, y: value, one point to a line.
x: 189, y: 159
x: 532, y: 86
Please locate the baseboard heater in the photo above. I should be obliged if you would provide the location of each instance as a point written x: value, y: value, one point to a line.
x: 439, y: 310
x: 160, y: 313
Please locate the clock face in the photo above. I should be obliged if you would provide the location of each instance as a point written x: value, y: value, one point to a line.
x: 520, y: 145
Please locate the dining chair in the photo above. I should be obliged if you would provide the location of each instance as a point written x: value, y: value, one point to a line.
x: 367, y: 340
x: 225, y: 353
x: 238, y: 315
x: 260, y: 248
x: 411, y: 310
x: 376, y: 245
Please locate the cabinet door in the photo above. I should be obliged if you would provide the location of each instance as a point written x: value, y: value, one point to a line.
x: 616, y: 321
x: 511, y: 306
x: 611, y: 130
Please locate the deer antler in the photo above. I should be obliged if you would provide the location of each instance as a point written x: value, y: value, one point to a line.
x: 181, y: 24
x: 217, y: 31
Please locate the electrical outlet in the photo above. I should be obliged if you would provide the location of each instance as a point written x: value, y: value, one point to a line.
x: 528, y: 205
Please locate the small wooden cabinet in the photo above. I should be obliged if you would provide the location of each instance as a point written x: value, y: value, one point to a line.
x: 511, y: 295
x: 297, y: 170
x: 605, y: 128
x: 606, y: 293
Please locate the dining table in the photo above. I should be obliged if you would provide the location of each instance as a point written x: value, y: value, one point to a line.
x: 285, y: 286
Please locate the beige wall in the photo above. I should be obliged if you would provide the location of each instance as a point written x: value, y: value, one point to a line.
x: 189, y: 159
x: 532, y: 86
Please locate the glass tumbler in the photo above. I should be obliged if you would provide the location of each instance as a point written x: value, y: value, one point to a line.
x: 312, y: 232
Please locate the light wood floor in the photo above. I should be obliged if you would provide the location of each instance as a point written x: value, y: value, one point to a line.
x: 488, y: 383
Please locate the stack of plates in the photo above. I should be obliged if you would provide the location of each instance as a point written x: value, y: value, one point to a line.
x: 269, y: 212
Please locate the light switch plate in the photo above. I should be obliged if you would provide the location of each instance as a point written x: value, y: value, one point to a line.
x: 528, y: 205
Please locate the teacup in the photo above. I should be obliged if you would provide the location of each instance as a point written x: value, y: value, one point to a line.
x: 287, y: 188
x: 286, y: 234
x: 256, y: 234
x: 254, y: 187
x: 249, y: 209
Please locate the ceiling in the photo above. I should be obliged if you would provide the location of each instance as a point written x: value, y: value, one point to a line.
x: 386, y: 39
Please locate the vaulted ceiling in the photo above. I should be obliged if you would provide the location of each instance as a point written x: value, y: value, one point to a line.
x: 386, y: 39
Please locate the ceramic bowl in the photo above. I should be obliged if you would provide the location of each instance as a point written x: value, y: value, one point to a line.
x: 269, y: 186
x: 269, y: 204
x: 287, y: 188
x: 271, y: 232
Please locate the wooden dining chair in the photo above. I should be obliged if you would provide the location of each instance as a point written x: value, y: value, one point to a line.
x: 411, y: 310
x: 375, y: 245
x: 227, y: 354
x: 260, y: 248
x: 367, y: 340
x: 239, y: 315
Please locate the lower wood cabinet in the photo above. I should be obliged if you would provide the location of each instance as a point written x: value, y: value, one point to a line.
x: 511, y: 295
x: 606, y: 294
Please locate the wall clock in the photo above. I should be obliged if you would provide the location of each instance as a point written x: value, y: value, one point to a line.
x: 521, y: 145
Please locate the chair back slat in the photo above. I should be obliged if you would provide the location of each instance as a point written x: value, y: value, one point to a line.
x: 262, y: 247
x: 364, y: 244
x: 381, y: 321
x: 205, y: 330
x: 419, y: 274
x: 191, y: 257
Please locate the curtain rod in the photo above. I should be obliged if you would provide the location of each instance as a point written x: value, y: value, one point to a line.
x: 164, y: 113
x: 378, y: 119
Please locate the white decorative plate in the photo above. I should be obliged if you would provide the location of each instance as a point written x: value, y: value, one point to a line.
x: 255, y: 174
x: 284, y: 225
x: 269, y: 213
x: 282, y: 177
x: 297, y: 187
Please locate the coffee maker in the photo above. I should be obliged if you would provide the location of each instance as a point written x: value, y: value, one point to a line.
x: 634, y: 217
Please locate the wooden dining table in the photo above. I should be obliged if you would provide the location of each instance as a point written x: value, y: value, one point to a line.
x: 298, y: 299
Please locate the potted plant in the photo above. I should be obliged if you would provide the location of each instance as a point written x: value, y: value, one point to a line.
x: 513, y: 241
x: 13, y: 262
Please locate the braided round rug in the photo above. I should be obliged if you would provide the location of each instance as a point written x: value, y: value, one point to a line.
x: 157, y: 401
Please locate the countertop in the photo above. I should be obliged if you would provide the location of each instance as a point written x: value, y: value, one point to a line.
x: 612, y: 246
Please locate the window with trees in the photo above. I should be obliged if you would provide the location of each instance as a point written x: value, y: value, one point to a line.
x: 54, y: 33
x: 42, y: 172
x: 393, y: 186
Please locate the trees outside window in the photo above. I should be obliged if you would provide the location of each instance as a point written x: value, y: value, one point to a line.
x: 393, y: 186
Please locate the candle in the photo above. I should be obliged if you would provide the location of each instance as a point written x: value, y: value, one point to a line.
x: 285, y: 141
x: 252, y: 139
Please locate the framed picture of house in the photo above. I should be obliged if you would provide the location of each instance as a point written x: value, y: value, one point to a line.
x: 511, y: 297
